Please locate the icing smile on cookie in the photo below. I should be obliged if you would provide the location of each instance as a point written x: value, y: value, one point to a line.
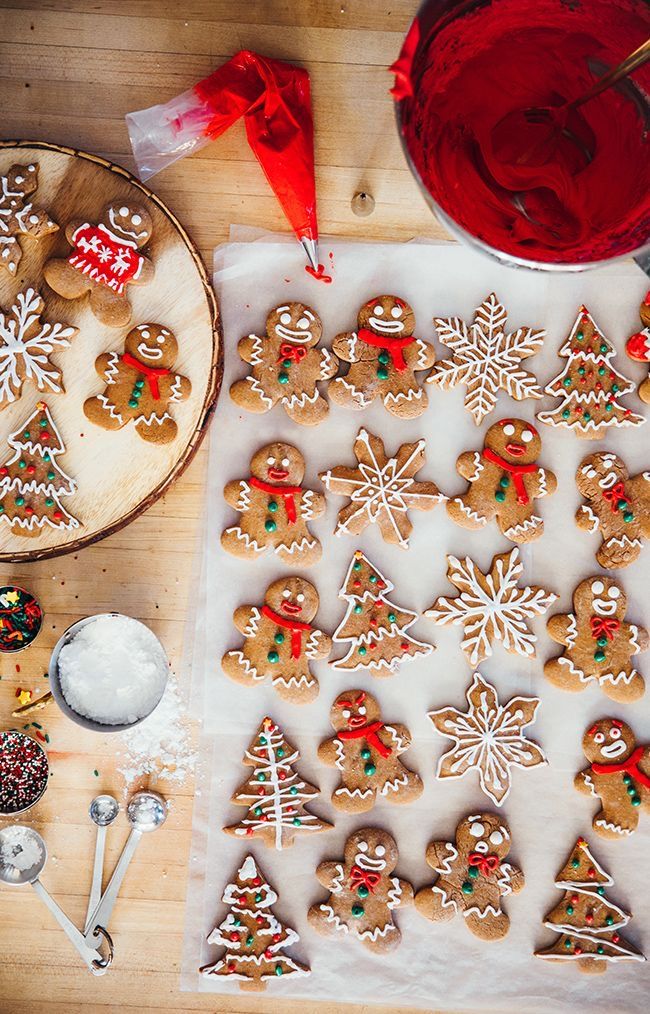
x: 601, y: 606
x: 302, y: 334
x: 120, y: 219
x: 394, y: 326
x: 278, y: 470
x: 289, y: 607
x: 366, y: 862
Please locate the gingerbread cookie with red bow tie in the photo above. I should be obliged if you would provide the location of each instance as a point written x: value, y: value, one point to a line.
x: 474, y: 877
x: 280, y: 641
x: 286, y: 366
x: 141, y: 385
x: 363, y: 893
x: 618, y: 774
x: 274, y: 509
x: 505, y: 481
x: 599, y: 643
x: 366, y: 752
x: 384, y: 356
x: 616, y: 505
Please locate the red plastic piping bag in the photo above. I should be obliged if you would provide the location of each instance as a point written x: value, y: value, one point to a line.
x: 275, y: 100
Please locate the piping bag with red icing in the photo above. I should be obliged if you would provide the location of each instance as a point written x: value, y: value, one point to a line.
x: 274, y: 99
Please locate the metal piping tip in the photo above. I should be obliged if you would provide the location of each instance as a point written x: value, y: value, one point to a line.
x: 311, y: 249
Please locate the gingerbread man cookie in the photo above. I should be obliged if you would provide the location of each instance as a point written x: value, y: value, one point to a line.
x: 384, y: 355
x: 473, y: 877
x: 617, y: 506
x: 618, y: 775
x: 105, y: 260
x: 638, y: 347
x: 599, y: 643
x: 141, y: 385
x: 274, y: 509
x: 366, y: 752
x: 505, y: 480
x: 363, y: 893
x: 18, y: 216
x: 286, y: 366
x: 280, y: 641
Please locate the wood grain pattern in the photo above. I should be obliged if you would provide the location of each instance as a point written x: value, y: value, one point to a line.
x: 69, y: 71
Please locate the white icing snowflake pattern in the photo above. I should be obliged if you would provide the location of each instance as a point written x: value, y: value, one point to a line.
x: 486, y: 358
x: 491, y: 606
x: 488, y: 738
x: 381, y: 489
x: 25, y: 344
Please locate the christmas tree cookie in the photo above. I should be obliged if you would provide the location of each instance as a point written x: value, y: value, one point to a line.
x: 366, y: 752
x: 616, y: 505
x: 254, y: 939
x: 373, y: 627
x: 26, y: 343
x: 588, y: 922
x: 31, y: 481
x: 274, y: 792
x: 589, y: 387
x: 618, y: 774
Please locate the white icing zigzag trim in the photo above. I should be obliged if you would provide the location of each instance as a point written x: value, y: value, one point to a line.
x: 244, y: 498
x: 530, y: 524
x: 257, y: 353
x: 478, y: 466
x: 572, y: 632
x: 244, y: 537
x: 110, y: 407
x: 351, y: 793
x: 394, y: 786
x: 175, y: 394
x: 300, y: 400
x: 357, y: 395
x: 246, y: 665
x: 307, y: 504
x: 394, y: 897
x: 257, y: 387
x: 297, y: 546
x: 613, y: 827
x: 253, y: 623
x: 471, y: 514
x: 414, y: 394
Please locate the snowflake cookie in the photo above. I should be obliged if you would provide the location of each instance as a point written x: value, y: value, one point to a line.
x: 366, y: 752
x: 599, y: 644
x: 18, y: 216
x: 373, y: 626
x: 486, y: 358
x: 25, y: 346
x: 274, y: 792
x: 280, y: 641
x: 381, y: 489
x: 618, y: 774
x: 473, y: 877
x: 589, y: 387
x: 363, y: 894
x: 489, y: 738
x: 617, y: 505
x: 491, y: 606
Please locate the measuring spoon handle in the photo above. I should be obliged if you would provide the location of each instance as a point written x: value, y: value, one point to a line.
x: 98, y: 873
x: 102, y: 914
x: 89, y: 954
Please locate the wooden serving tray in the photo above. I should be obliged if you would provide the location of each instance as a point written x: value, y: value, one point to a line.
x: 117, y: 473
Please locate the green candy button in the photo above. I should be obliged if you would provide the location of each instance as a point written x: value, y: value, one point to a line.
x: 357, y: 911
x: 382, y: 373
x: 273, y: 656
x: 279, y: 637
x: 467, y: 888
x: 270, y: 525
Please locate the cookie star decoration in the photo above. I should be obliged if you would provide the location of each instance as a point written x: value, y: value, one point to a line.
x: 489, y: 738
x: 486, y: 358
x: 491, y: 606
x: 381, y: 489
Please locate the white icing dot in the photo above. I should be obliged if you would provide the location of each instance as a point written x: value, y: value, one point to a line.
x: 286, y: 594
x: 496, y: 838
x: 599, y: 737
x: 363, y: 846
x: 597, y: 587
x: 527, y: 436
x: 31, y: 168
x: 20, y: 179
x: 145, y: 333
x: 509, y: 430
x: 303, y: 324
x: 161, y: 339
x: 614, y: 592
x: 476, y: 829
x: 396, y: 311
x: 124, y: 211
x: 378, y: 310
x: 614, y: 733
x: 362, y: 710
x: 300, y: 598
x: 33, y: 219
x: 136, y: 219
x: 285, y: 318
x: 270, y: 461
x: 346, y: 713
x: 380, y: 851
x: 285, y: 462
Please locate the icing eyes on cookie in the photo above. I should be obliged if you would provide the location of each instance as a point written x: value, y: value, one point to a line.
x: 496, y: 838
x: 380, y: 851
x: 614, y: 592
x: 363, y: 846
x: 137, y: 219
x: 300, y: 598
x: 378, y: 310
x: 285, y: 462
x: 614, y: 733
x: 362, y: 710
x: 270, y: 461
x: 396, y: 311
x: 124, y: 212
x: 597, y: 587
x: 477, y: 829
x: 527, y: 436
x: 285, y: 318
x: 303, y: 324
x: 509, y: 429
x: 286, y: 594
x: 346, y: 712
x: 599, y: 737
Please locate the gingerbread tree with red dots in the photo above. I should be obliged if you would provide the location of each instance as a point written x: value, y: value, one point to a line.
x: 31, y: 480
x: 254, y: 939
x: 588, y: 921
x: 373, y: 626
x: 274, y: 792
x: 589, y: 387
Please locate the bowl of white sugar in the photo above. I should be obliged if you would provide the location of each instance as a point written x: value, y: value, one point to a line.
x: 108, y: 672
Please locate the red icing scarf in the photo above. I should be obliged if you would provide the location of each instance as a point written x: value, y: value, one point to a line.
x: 151, y: 373
x: 286, y: 492
x: 295, y: 626
x: 516, y: 471
x: 394, y: 346
x: 369, y: 733
x: 629, y: 767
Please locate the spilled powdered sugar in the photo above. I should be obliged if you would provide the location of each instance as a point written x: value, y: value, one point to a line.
x: 161, y: 744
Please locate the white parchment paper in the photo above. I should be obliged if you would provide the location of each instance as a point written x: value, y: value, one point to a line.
x: 443, y: 965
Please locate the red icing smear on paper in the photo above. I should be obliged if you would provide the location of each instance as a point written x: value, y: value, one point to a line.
x: 319, y: 274
x: 509, y: 55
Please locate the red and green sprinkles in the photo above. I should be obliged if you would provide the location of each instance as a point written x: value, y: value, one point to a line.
x: 23, y: 772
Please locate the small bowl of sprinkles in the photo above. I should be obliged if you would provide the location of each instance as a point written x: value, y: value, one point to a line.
x: 21, y: 618
x: 24, y: 772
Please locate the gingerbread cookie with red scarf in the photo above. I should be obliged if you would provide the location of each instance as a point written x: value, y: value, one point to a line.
x: 105, y: 260
x: 363, y: 894
x: 505, y: 480
x: 141, y: 385
x: 274, y: 509
x: 366, y: 752
x: 384, y: 356
x: 280, y: 641
x: 599, y: 643
x: 286, y: 366
x: 474, y: 877
x: 638, y: 347
x: 618, y: 775
x: 617, y: 505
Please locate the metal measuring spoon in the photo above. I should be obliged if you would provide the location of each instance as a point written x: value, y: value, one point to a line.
x: 103, y: 810
x: 15, y: 877
x: 146, y: 811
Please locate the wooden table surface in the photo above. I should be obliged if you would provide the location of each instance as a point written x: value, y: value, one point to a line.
x: 69, y: 71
